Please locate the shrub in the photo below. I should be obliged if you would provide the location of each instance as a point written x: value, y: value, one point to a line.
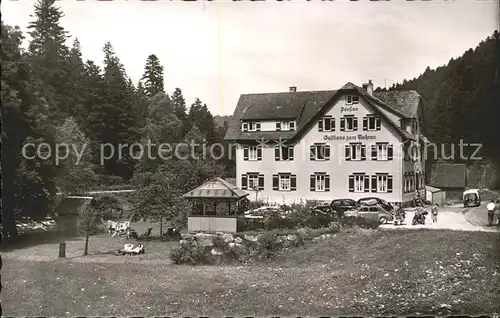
x: 277, y: 222
x: 191, y: 254
x: 318, y: 221
x: 269, y: 243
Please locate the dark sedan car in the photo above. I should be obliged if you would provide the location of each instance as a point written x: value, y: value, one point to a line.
x: 373, y: 200
x: 338, y: 206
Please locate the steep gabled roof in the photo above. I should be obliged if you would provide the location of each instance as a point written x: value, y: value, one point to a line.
x: 405, y: 102
x: 448, y: 175
x: 303, y: 106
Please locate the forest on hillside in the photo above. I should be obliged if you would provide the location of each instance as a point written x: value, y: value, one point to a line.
x: 463, y: 101
x: 51, y: 95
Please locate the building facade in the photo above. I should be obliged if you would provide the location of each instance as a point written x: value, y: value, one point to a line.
x: 322, y: 145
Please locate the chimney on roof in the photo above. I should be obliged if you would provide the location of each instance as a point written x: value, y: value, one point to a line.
x: 368, y: 87
x: 293, y: 89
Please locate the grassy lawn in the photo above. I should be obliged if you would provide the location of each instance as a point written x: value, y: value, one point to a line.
x: 359, y: 272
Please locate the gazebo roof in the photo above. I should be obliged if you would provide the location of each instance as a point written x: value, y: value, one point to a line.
x: 216, y: 188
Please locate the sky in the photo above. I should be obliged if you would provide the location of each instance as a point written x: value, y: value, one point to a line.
x: 219, y: 50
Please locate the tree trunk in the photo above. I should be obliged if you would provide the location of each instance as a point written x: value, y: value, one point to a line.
x: 86, y: 251
x: 161, y: 228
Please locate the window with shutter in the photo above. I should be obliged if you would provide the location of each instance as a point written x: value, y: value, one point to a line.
x: 320, y: 125
x: 312, y: 182
x: 374, y: 183
x: 320, y: 152
x: 285, y: 125
x: 261, y: 182
x: 371, y: 122
x: 245, y: 126
x: 356, y: 152
x: 352, y: 99
x: 253, y: 181
x: 290, y: 153
x: 276, y: 182
x: 259, y: 153
x: 292, y: 125
x: 381, y: 183
x: 245, y: 153
x: 389, y: 184
x: 293, y: 182
x: 390, y: 152
x: 285, y: 181
x: 253, y: 126
x: 367, y: 184
x: 365, y: 123
x: 359, y: 182
x: 347, y: 152
x: 351, y: 183
x: 327, y: 124
x: 374, y: 152
x: 278, y: 126
x: 277, y: 153
x: 350, y: 123
x: 312, y: 149
x: 320, y: 182
x: 243, y: 181
x: 382, y: 151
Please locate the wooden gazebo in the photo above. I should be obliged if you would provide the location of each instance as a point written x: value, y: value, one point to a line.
x: 216, y: 206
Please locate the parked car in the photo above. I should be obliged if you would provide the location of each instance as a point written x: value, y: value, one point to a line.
x: 371, y: 213
x: 340, y: 206
x: 376, y: 201
x: 471, y: 197
x: 337, y: 206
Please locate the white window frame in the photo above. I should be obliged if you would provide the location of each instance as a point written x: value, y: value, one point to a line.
x: 252, y: 126
x: 352, y: 99
x: 252, y: 179
x: 285, y: 126
x: 332, y: 123
x: 285, y: 182
x: 283, y: 150
x: 382, y: 153
x: 359, y: 182
x: 347, y: 120
x: 253, y: 153
x: 382, y: 183
x: 320, y: 182
x: 318, y: 150
x: 356, y: 147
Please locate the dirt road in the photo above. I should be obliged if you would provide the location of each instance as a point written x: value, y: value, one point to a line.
x: 452, y: 218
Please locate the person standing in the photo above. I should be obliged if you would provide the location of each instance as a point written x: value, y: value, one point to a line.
x: 400, y: 214
x: 434, y: 210
x: 491, y: 207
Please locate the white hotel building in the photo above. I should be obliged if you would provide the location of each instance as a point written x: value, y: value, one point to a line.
x: 346, y: 143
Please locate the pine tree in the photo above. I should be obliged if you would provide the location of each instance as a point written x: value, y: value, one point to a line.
x: 28, y: 184
x: 179, y: 104
x: 153, y: 76
x: 49, y: 58
x: 114, y: 119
